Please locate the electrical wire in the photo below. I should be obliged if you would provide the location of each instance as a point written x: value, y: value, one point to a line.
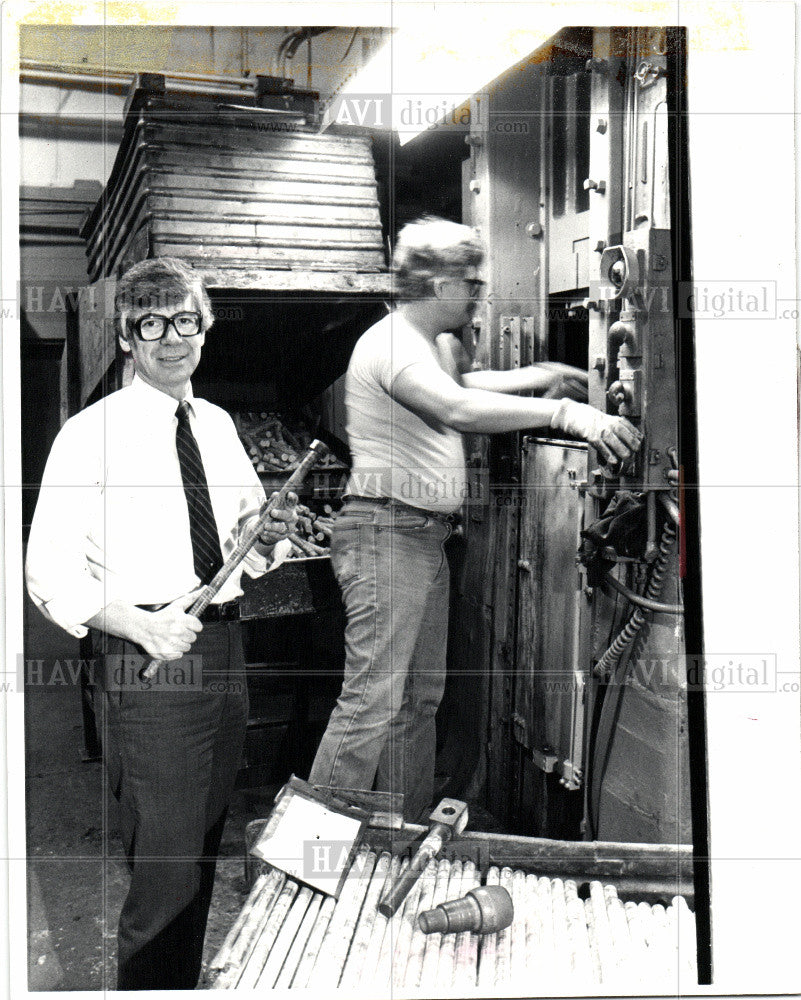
x: 643, y: 602
x: 607, y: 663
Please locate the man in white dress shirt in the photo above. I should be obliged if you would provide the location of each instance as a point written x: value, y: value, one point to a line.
x: 144, y: 495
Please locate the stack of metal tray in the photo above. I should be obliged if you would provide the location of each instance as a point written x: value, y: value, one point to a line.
x: 248, y: 199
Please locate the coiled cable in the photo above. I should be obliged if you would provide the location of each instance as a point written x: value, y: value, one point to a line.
x: 632, y: 629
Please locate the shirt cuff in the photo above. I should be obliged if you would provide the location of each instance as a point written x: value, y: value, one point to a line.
x: 71, y: 612
x: 281, y: 552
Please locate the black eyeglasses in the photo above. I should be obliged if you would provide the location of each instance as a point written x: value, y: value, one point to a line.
x: 153, y: 326
x: 474, y: 285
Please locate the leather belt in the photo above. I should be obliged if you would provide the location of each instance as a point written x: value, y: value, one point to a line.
x: 227, y: 612
x: 453, y: 518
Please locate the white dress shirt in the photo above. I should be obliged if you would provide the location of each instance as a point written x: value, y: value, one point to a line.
x: 111, y: 522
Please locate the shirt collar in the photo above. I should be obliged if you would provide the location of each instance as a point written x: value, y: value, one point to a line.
x: 158, y: 402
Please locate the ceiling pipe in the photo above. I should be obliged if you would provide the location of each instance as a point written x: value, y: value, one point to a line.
x: 91, y: 70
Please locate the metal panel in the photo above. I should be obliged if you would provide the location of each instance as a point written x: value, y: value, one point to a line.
x: 549, y: 691
x: 568, y: 242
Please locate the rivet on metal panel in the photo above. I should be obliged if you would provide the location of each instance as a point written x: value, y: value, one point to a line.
x: 592, y: 185
x: 475, y: 186
x: 596, y: 66
x: 601, y: 126
x: 524, y: 564
x: 534, y: 230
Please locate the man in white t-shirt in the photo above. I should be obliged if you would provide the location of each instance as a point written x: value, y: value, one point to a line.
x: 409, y: 397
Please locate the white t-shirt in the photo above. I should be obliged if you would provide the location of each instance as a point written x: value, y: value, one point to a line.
x: 395, y: 452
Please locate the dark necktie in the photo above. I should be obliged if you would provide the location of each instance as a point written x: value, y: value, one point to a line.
x: 202, y: 526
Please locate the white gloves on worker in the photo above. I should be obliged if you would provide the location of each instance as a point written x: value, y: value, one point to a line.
x: 614, y: 437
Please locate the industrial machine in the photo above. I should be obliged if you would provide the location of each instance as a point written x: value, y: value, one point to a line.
x: 571, y: 582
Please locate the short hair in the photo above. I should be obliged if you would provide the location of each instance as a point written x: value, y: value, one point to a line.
x: 158, y: 283
x: 431, y: 248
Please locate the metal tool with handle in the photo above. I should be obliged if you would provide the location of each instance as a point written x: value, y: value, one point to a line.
x: 317, y: 450
x: 448, y: 820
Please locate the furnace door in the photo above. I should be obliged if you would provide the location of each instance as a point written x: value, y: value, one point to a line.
x: 551, y: 661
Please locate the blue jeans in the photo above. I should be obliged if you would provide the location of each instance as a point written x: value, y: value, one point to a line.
x: 391, y: 565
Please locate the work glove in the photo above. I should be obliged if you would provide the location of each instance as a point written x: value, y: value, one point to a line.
x: 568, y: 382
x: 614, y: 437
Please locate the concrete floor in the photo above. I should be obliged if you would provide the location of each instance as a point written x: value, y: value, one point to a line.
x: 77, y: 875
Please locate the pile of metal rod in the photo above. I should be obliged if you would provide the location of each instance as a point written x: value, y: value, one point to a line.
x: 289, y: 936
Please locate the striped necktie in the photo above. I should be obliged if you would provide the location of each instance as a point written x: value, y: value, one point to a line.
x: 202, y: 526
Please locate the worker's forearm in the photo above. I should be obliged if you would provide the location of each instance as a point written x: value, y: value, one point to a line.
x: 482, y: 412
x: 531, y: 378
x: 123, y: 620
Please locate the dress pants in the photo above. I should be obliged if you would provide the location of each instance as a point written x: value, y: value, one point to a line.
x: 391, y: 566
x: 172, y: 753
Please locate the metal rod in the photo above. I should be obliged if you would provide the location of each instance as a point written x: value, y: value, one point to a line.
x: 334, y: 948
x: 261, y: 950
x: 488, y: 945
x: 518, y: 972
x: 314, y: 944
x: 546, y: 916
x: 283, y: 942
x: 562, y: 952
x: 380, y: 932
x: 595, y: 953
x: 389, y: 942
x: 465, y: 962
x: 504, y: 937
x: 220, y: 960
x: 295, y: 955
x: 603, y: 932
x: 447, y: 944
x: 400, y: 955
x: 93, y: 69
x: 432, y: 943
x: 577, y: 927
x: 251, y: 931
x: 123, y: 84
x: 417, y: 945
x: 354, y: 963
x: 533, y: 949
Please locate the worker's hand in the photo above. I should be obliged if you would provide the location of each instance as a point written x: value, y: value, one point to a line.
x: 614, y: 437
x: 170, y: 632
x: 568, y: 382
x: 284, y: 521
